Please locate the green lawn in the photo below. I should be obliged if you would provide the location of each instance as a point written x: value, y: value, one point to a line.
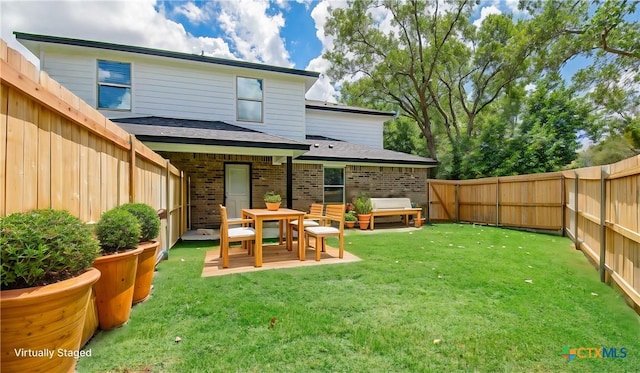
x: 440, y: 299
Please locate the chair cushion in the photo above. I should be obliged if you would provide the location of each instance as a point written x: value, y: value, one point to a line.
x: 323, y: 231
x: 241, y: 232
x: 306, y: 223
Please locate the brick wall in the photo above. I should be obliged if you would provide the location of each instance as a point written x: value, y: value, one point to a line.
x: 206, y: 172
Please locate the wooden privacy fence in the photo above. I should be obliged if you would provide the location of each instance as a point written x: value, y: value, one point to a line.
x: 58, y: 152
x: 597, y: 207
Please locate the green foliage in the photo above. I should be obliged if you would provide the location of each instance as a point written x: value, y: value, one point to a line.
x: 117, y: 230
x: 44, y: 246
x: 350, y: 216
x: 147, y: 217
x: 362, y: 204
x: 272, y: 197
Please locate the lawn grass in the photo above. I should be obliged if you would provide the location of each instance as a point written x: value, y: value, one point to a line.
x: 464, y: 285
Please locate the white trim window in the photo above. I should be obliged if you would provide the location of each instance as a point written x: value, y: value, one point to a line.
x: 114, y: 85
x: 333, y: 185
x: 250, y: 95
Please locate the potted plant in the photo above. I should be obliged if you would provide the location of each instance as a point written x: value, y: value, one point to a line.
x: 350, y: 219
x: 363, y: 209
x: 46, y: 278
x: 118, y: 232
x: 272, y: 200
x: 149, y: 229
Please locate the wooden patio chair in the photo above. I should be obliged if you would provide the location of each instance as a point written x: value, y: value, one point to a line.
x: 244, y: 234
x: 334, y: 213
x: 312, y: 219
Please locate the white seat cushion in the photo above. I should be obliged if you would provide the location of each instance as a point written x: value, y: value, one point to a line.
x: 322, y: 231
x: 241, y: 232
x: 306, y: 223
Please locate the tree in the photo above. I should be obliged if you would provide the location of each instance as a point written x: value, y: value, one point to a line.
x: 432, y: 64
x: 607, y: 34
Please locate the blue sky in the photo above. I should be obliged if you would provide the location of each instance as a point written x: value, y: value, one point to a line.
x: 276, y: 32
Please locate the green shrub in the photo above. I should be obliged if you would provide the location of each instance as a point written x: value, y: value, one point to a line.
x: 363, y: 204
x: 117, y: 230
x: 272, y: 197
x: 147, y: 217
x: 41, y: 247
x: 350, y: 216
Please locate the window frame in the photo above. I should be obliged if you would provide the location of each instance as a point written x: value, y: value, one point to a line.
x: 114, y: 85
x: 343, y: 186
x: 249, y: 99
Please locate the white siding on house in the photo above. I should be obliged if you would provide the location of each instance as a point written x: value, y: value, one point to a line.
x: 356, y: 128
x: 76, y: 73
x: 186, y: 89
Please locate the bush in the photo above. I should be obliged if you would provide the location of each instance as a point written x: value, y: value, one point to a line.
x: 42, y: 247
x: 272, y: 197
x: 350, y: 216
x: 363, y: 204
x: 147, y: 217
x: 117, y: 230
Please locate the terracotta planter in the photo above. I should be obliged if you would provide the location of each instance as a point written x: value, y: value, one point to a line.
x: 418, y: 222
x: 349, y: 224
x: 363, y: 220
x: 144, y: 272
x: 91, y: 322
x: 114, y: 291
x: 44, y: 320
x: 272, y: 206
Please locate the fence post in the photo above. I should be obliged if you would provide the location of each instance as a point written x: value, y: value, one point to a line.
x: 132, y: 169
x: 457, y: 195
x: 169, y: 207
x: 497, y: 202
x: 428, y: 212
x: 563, y: 202
x: 604, y: 174
x: 575, y: 211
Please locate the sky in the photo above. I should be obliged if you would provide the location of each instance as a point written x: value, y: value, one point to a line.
x: 285, y: 33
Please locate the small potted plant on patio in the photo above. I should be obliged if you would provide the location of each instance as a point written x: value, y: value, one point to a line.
x: 363, y: 209
x: 350, y: 219
x: 46, y: 280
x: 118, y: 232
x: 272, y: 200
x: 149, y: 229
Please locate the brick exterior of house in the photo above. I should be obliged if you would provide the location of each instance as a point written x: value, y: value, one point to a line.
x: 206, y: 173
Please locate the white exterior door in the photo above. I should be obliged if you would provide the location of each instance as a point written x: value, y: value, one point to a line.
x: 237, y: 189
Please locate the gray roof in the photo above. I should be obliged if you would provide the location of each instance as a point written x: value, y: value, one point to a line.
x: 330, y: 106
x: 160, y: 53
x: 201, y: 132
x: 327, y: 149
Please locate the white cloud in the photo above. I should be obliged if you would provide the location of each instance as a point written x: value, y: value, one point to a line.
x: 194, y: 14
x: 132, y: 22
x: 255, y: 35
x: 485, y: 12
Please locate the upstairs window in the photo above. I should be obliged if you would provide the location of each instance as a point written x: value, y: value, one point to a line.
x: 250, y: 96
x: 333, y: 185
x: 114, y: 85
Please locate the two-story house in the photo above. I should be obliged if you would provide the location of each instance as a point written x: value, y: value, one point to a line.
x: 238, y: 129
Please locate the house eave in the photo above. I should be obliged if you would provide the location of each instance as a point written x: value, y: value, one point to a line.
x: 364, y: 162
x: 221, y: 149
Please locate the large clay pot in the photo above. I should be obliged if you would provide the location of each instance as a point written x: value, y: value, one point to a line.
x: 363, y: 221
x: 42, y: 326
x: 144, y: 273
x: 114, y: 291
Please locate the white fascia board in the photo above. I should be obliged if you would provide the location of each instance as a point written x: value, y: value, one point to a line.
x: 216, y: 149
x: 343, y: 164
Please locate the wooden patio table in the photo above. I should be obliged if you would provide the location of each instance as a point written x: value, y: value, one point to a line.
x: 262, y: 215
